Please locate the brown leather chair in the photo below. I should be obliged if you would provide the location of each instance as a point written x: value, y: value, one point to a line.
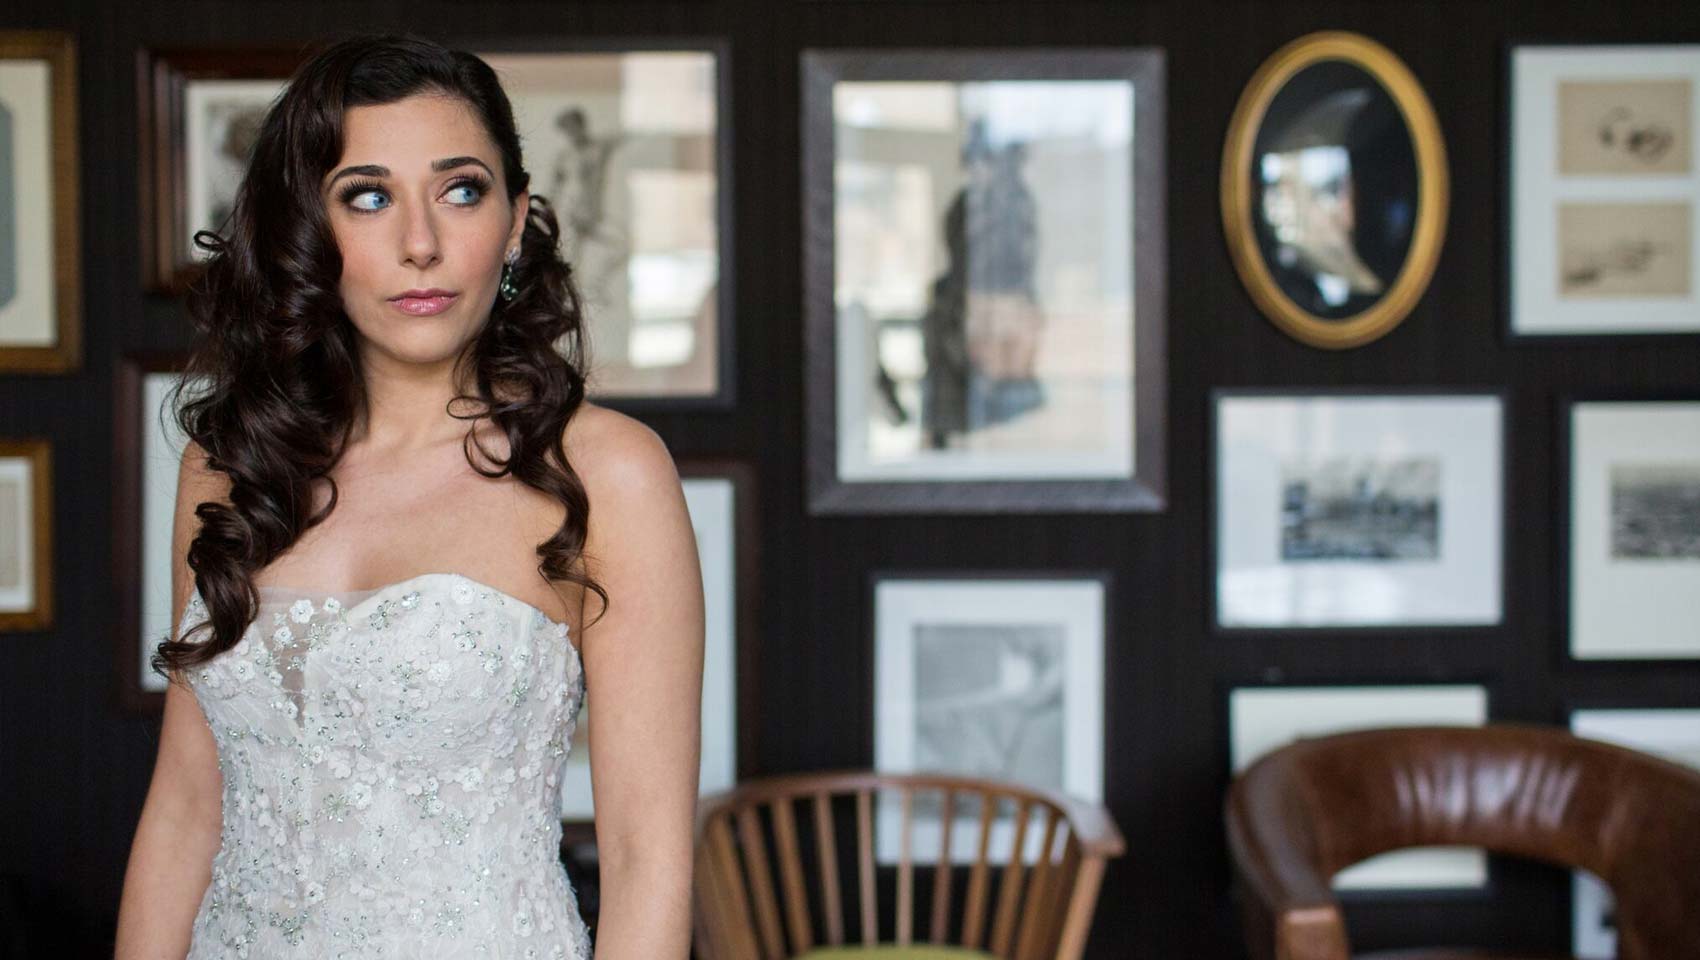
x: 1039, y: 910
x: 1312, y: 808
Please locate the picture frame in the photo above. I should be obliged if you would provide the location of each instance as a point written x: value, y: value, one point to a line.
x: 1601, y: 191
x: 1031, y: 711
x: 26, y: 535
x: 1358, y: 509
x: 41, y: 278
x: 1629, y: 542
x: 1672, y: 733
x: 721, y: 495
x: 631, y: 140
x: 1037, y: 386
x: 1262, y: 718
x: 1335, y: 253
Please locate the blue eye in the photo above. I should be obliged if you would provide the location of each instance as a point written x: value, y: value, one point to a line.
x: 377, y: 193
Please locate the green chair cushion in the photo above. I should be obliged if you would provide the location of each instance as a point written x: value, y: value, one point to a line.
x: 885, y: 951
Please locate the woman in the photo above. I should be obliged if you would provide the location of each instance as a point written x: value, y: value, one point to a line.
x: 374, y: 771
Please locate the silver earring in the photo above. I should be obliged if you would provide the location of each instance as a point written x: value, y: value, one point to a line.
x: 508, y: 290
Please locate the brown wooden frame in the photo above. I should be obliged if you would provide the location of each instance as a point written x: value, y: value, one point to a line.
x: 39, y: 451
x: 737, y: 910
x: 65, y: 354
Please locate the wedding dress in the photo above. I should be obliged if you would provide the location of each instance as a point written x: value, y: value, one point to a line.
x: 392, y: 762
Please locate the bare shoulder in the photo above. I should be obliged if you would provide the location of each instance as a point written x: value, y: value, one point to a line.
x: 619, y: 457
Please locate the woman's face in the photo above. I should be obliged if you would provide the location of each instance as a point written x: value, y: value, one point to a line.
x: 418, y: 204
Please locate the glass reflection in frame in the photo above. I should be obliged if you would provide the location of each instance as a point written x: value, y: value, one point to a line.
x: 984, y: 278
x: 624, y: 145
x: 1335, y: 183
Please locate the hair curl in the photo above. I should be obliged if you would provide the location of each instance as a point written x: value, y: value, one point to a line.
x: 277, y: 360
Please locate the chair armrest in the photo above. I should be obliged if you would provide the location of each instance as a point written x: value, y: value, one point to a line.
x: 1292, y: 912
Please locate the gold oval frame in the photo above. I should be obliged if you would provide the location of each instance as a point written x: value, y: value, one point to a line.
x: 1433, y: 189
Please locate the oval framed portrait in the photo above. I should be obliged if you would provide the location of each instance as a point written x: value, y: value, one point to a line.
x: 1334, y: 189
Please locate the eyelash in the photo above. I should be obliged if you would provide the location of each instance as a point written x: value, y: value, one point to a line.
x: 478, y: 183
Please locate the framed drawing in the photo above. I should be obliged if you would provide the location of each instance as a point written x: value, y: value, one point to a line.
x: 1673, y: 734
x: 41, y: 314
x: 1356, y: 509
x: 721, y: 497
x: 629, y: 142
x: 1632, y: 547
x: 26, y: 534
x: 993, y: 676
x: 1261, y: 719
x: 199, y: 114
x: 147, y: 451
x: 984, y: 280
x: 1602, y: 190
x: 1334, y: 189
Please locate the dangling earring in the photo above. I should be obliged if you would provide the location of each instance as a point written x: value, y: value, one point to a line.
x: 508, y: 290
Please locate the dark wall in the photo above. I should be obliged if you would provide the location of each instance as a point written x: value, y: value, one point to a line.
x: 74, y: 770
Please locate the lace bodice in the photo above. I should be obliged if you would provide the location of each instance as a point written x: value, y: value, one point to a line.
x: 392, y: 762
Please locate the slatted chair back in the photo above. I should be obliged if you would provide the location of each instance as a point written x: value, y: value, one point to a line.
x: 778, y: 860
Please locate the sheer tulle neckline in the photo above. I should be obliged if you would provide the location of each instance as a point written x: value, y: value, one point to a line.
x: 366, y: 594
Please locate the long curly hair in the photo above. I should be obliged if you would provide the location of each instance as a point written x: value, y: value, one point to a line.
x: 276, y: 361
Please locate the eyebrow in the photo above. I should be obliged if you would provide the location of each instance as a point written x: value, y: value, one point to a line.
x: 378, y: 170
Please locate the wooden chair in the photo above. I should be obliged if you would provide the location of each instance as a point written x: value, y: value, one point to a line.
x: 1043, y: 906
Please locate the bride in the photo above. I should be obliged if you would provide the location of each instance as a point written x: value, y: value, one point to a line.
x: 393, y: 504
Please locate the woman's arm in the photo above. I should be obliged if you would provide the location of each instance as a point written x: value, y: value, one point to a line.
x: 644, y: 660
x: 178, y: 833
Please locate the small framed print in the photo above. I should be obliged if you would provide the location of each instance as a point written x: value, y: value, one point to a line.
x: 200, y: 112
x: 1633, y: 541
x: 1348, y: 509
x: 721, y: 497
x: 1000, y: 677
x: 26, y: 535
x: 1604, y: 190
x: 628, y: 140
x: 984, y: 280
x: 1673, y: 734
x: 41, y: 321
x: 1261, y: 719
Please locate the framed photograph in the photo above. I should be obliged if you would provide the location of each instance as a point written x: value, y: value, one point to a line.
x: 994, y: 676
x: 721, y: 497
x: 1633, y: 550
x: 984, y: 280
x: 629, y: 142
x: 41, y: 319
x: 199, y: 114
x: 1673, y: 734
x: 1603, y: 190
x: 26, y: 534
x: 1349, y: 509
x: 1261, y: 719
x: 147, y: 452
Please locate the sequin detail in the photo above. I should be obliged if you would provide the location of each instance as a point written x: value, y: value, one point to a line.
x: 392, y: 772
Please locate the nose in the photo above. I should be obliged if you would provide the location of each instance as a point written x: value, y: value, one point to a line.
x: 419, y: 246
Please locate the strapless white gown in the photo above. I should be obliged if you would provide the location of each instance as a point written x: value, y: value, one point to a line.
x: 392, y: 763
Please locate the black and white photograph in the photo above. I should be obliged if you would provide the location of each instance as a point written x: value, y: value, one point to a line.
x: 983, y: 272
x: 1261, y: 719
x: 1633, y: 557
x: 1351, y: 509
x: 1602, y: 189
x: 998, y: 679
x: 26, y: 534
x: 223, y: 118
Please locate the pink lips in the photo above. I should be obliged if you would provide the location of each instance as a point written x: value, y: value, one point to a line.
x: 423, y: 303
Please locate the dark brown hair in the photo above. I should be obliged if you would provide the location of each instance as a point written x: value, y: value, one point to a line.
x: 276, y: 362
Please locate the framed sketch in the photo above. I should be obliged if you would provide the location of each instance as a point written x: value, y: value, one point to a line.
x: 721, y: 496
x: 1633, y: 538
x: 147, y: 452
x: 1334, y: 189
x: 1261, y: 719
x: 41, y: 282
x: 984, y: 280
x: 629, y: 142
x: 200, y: 113
x: 1673, y: 734
x: 26, y: 534
x: 993, y: 676
x: 1351, y: 509
x: 1603, y: 190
